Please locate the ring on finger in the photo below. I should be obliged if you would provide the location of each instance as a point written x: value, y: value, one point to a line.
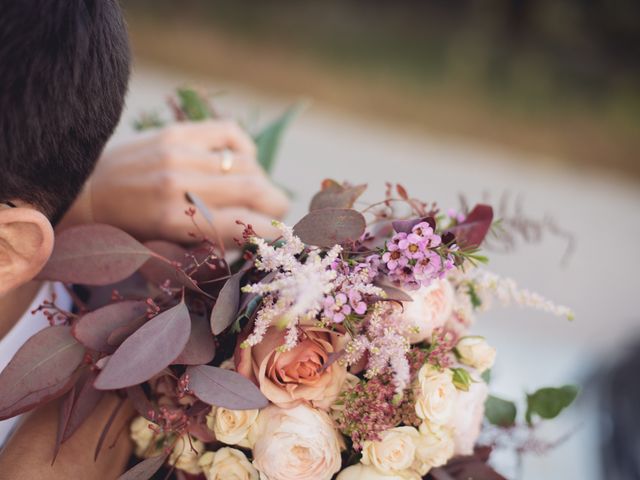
x: 226, y: 163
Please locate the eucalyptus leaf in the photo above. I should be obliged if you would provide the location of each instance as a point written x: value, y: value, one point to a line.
x: 148, y: 350
x: 500, y: 412
x: 226, y: 306
x: 330, y: 226
x: 549, y: 402
x: 194, y: 106
x: 224, y: 388
x: 268, y: 140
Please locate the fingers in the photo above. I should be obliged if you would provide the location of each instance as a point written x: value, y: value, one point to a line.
x: 199, y: 160
x: 210, y: 135
x: 254, y: 192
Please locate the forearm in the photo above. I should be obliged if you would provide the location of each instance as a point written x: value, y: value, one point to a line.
x: 29, y: 452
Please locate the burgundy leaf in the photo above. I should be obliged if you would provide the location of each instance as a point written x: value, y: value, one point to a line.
x: 148, y: 351
x: 336, y: 196
x: 120, y: 334
x: 201, y: 347
x: 107, y: 427
x: 224, y: 388
x: 145, y: 469
x: 330, y: 226
x: 202, y: 432
x: 38, y: 398
x: 226, y: 306
x: 405, y: 226
x: 94, y: 328
x: 402, y: 192
x: 63, y: 420
x: 94, y: 255
x: 140, y: 401
x: 85, y: 400
x: 475, y: 227
x: 40, y: 369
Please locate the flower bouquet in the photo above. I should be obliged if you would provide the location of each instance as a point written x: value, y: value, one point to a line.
x: 339, y: 350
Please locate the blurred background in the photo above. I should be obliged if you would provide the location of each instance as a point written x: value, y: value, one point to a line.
x: 532, y: 105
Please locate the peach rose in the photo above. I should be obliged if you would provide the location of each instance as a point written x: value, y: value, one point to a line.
x: 430, y: 309
x: 360, y: 471
x: 290, y: 377
x: 299, y: 443
x: 468, y: 411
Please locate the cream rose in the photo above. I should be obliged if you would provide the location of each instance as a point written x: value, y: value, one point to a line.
x: 435, y: 394
x: 467, y: 417
x: 434, y: 447
x: 227, y: 464
x: 394, y: 452
x: 232, y: 426
x: 185, y: 455
x: 430, y: 309
x: 299, y: 443
x: 300, y: 374
x: 367, y: 472
x: 476, y: 352
x: 144, y: 437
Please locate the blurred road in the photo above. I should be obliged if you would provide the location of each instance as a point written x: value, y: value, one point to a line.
x: 599, y: 282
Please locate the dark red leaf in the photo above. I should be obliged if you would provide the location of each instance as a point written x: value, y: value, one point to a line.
x: 94, y: 328
x: 94, y: 255
x: 336, y: 196
x: 140, y: 401
x: 64, y: 414
x: 330, y: 226
x: 402, y: 192
x: 120, y: 334
x: 38, y: 398
x: 107, y: 427
x: 145, y: 469
x: 226, y: 306
x: 40, y: 369
x: 201, y: 347
x: 148, y: 351
x: 224, y: 388
x: 475, y: 227
x: 405, y: 226
x: 86, y: 399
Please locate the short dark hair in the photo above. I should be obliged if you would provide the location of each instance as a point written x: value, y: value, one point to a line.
x: 64, y: 70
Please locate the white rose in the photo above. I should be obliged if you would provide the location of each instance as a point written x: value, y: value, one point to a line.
x: 435, y: 394
x: 367, y: 472
x: 434, y: 447
x: 232, y: 426
x: 299, y: 443
x: 144, y: 437
x: 227, y: 464
x: 476, y: 352
x: 430, y: 309
x: 467, y: 417
x: 394, y: 452
x: 185, y: 455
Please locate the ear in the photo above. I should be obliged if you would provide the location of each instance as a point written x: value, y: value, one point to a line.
x: 26, y: 242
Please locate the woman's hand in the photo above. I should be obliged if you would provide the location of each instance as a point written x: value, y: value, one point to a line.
x: 140, y: 186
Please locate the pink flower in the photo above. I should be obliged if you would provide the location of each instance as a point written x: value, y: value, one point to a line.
x: 302, y: 374
x: 468, y: 412
x: 336, y: 307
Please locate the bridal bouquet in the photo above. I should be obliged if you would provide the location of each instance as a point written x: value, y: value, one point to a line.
x: 341, y: 349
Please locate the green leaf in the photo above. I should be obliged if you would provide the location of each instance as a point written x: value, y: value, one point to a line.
x: 548, y: 402
x: 268, y: 140
x: 193, y: 105
x: 473, y: 295
x: 500, y: 412
x: 486, y: 376
x: 461, y: 379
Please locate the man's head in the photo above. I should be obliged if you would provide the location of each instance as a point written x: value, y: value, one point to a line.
x: 64, y: 69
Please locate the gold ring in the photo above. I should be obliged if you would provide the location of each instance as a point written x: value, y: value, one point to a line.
x: 226, y: 164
